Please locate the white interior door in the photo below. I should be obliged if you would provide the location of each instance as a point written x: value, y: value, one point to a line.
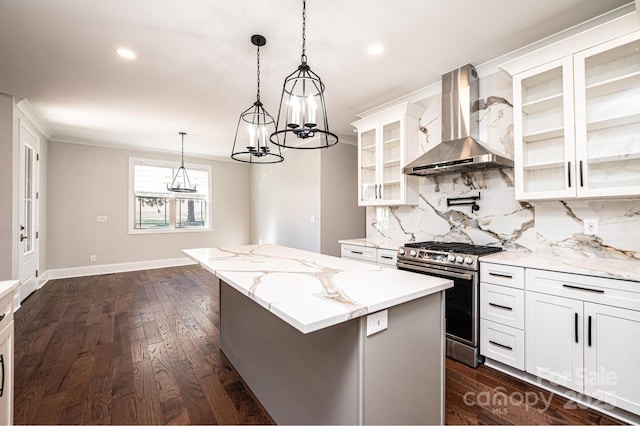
x: 28, y: 211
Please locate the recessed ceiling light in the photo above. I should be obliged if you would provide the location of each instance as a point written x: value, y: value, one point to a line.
x: 375, y: 49
x: 126, y: 53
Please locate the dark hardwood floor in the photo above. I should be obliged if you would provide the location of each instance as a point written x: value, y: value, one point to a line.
x: 142, y: 348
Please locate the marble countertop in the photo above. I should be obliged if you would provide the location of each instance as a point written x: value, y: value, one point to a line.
x: 312, y: 291
x: 598, y: 267
x: 7, y: 286
x: 368, y: 242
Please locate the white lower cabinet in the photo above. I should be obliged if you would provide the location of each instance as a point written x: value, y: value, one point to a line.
x: 6, y: 375
x: 387, y: 257
x: 380, y: 256
x: 555, y: 339
x: 612, y: 355
x: 360, y: 253
x: 502, y: 314
x: 576, y: 342
x: 502, y: 343
x: 7, y: 289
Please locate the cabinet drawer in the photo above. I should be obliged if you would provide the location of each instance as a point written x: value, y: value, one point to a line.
x: 504, y: 305
x: 387, y: 257
x: 606, y: 291
x: 364, y: 254
x: 511, y: 276
x: 502, y: 343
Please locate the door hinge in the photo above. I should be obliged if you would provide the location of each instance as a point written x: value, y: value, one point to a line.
x: 37, y: 195
x: 36, y: 273
x: 37, y: 157
x: 36, y: 234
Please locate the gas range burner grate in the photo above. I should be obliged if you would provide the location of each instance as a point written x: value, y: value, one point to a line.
x: 452, y: 247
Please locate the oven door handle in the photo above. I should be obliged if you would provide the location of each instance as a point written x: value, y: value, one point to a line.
x: 439, y: 272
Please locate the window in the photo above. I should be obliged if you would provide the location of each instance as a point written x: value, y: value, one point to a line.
x: 153, y: 208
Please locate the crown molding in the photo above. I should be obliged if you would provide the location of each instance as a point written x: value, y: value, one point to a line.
x: 25, y: 108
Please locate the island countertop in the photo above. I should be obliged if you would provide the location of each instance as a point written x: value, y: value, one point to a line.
x: 312, y: 291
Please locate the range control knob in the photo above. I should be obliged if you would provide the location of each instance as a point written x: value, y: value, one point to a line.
x: 413, y: 253
x: 459, y: 259
x: 401, y: 251
x: 468, y: 260
x: 452, y: 258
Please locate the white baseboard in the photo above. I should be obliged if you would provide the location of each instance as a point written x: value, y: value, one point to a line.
x: 84, y: 271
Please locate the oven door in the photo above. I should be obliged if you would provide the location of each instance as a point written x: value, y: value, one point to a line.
x: 461, y: 301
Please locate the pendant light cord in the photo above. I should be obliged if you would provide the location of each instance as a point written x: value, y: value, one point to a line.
x: 304, y: 32
x: 182, y: 163
x: 258, y: 73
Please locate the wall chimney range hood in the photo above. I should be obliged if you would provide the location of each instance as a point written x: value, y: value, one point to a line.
x: 460, y: 149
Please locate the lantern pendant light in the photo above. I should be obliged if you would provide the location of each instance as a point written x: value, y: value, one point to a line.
x: 181, y: 182
x: 302, y: 117
x: 252, y: 146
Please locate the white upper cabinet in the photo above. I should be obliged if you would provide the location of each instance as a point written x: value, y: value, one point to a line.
x: 387, y: 141
x: 543, y: 131
x: 577, y: 124
x: 607, y: 108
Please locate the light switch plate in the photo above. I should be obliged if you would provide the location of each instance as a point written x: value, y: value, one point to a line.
x: 101, y: 219
x: 377, y: 322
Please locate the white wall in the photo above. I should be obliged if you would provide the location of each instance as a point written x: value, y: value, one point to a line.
x: 321, y: 183
x: 342, y: 218
x: 87, y: 181
x: 7, y: 204
x: 284, y: 196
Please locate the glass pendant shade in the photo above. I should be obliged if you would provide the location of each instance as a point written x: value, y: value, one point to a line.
x: 181, y: 182
x: 302, y: 117
x: 251, y: 143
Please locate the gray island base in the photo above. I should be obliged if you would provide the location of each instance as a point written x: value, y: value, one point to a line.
x: 294, y: 325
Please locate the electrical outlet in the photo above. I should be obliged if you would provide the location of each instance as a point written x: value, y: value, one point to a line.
x: 591, y: 226
x: 92, y: 258
x: 377, y: 322
x: 312, y: 219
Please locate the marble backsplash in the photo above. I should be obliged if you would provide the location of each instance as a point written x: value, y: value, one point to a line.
x: 542, y: 227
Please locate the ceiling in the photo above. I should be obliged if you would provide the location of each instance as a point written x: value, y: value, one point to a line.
x: 196, y: 67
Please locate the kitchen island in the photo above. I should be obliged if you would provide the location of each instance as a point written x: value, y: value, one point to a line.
x: 324, y: 340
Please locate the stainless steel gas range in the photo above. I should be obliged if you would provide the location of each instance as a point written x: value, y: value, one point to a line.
x: 460, y: 263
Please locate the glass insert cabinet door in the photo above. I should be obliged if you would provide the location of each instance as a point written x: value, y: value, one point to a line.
x: 544, y: 131
x: 381, y: 178
x: 577, y: 124
x: 387, y: 140
x: 369, y: 189
x: 608, y: 118
x: 391, y: 181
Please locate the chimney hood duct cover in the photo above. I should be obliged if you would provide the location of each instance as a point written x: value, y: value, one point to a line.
x: 460, y: 150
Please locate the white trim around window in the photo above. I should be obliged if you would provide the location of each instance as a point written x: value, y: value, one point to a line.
x: 155, y: 210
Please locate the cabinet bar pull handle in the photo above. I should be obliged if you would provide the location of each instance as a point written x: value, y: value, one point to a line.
x: 2, y: 386
x: 501, y: 306
x: 581, y: 181
x: 575, y: 287
x: 575, y: 322
x: 569, y: 172
x: 589, y: 332
x: 501, y: 345
x: 495, y: 274
x: 356, y: 252
x: 386, y: 257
